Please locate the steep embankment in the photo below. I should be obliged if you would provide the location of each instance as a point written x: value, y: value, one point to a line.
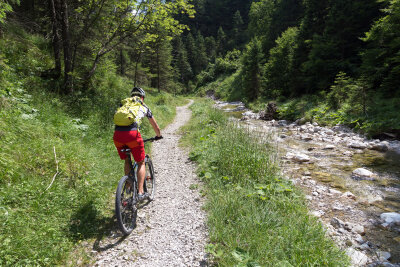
x: 171, y: 230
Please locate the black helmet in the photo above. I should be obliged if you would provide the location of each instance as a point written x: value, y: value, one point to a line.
x: 137, y: 91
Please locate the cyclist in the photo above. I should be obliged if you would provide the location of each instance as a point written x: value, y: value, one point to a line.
x: 129, y: 136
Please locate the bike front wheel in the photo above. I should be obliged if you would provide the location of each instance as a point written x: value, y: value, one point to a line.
x: 150, y: 180
x: 126, y: 204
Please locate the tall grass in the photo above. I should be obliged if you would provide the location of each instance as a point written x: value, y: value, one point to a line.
x: 40, y: 227
x: 256, y: 218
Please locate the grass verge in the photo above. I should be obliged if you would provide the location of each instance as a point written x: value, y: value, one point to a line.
x: 41, y: 133
x: 256, y: 218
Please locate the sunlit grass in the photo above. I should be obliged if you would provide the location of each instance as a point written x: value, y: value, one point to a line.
x: 40, y: 131
x: 256, y: 218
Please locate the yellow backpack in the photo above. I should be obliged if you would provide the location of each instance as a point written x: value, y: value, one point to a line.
x: 128, y: 112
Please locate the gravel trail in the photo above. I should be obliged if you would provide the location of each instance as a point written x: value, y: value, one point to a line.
x: 171, y: 230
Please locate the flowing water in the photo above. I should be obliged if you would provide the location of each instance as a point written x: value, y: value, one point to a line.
x: 331, y: 164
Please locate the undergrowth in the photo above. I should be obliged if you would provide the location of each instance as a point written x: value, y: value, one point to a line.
x: 256, y: 217
x: 45, y: 136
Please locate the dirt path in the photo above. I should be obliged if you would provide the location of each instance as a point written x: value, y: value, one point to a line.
x: 171, y: 230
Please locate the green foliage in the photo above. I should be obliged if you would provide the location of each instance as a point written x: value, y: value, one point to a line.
x: 180, y: 62
x: 278, y: 70
x: 5, y: 7
x: 256, y: 218
x: 222, y: 66
x: 43, y: 134
x: 251, y: 69
x: 381, y: 61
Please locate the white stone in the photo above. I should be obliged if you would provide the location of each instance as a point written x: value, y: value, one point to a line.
x: 348, y: 153
x: 317, y: 213
x: 358, y: 145
x: 301, y: 158
x: 384, y: 255
x: 361, y: 172
x: 334, y: 191
x: 357, y: 258
x: 329, y: 147
x: 329, y: 132
x: 359, y: 229
x: 382, y: 146
x: 390, y: 217
x: 306, y: 137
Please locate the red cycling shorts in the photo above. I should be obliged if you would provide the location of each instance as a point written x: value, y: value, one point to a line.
x: 131, y: 139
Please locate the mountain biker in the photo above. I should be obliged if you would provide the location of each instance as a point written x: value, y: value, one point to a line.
x: 129, y: 136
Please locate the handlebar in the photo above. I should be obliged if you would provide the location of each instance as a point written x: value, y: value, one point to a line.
x: 155, y: 138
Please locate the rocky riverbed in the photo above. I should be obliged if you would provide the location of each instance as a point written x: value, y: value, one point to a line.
x: 352, y: 184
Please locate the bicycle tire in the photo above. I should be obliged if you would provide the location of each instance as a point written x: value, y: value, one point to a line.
x: 150, y: 180
x: 126, y: 205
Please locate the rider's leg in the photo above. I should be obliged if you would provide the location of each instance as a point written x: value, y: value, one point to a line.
x: 141, y: 171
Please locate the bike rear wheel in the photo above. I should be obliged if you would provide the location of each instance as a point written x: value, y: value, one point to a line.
x: 126, y: 204
x: 149, y: 179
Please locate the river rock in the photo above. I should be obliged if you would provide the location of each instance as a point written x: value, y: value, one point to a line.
x: 282, y: 123
x: 358, y: 229
x: 251, y: 115
x: 334, y: 191
x: 357, y: 258
x: 306, y: 137
x: 384, y: 255
x: 298, y: 157
x: 381, y: 146
x: 364, y: 246
x: 349, y: 195
x: 329, y: 147
x: 348, y: 153
x: 356, y: 144
x: 337, y: 223
x: 391, y: 217
x: 363, y: 174
x: 359, y: 239
x: 329, y: 132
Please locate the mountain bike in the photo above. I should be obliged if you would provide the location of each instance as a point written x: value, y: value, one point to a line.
x: 126, y: 200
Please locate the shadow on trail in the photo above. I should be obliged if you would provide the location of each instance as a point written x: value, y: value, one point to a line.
x: 87, y: 223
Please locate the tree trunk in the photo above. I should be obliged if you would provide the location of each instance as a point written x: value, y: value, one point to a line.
x: 136, y: 68
x: 158, y: 70
x: 122, y: 62
x: 55, y: 39
x: 67, y: 47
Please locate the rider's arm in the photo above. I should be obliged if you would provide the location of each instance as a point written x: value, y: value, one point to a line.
x: 155, y: 126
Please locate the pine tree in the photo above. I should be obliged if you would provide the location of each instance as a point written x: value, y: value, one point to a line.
x: 180, y: 62
x: 192, y: 53
x: 221, y: 42
x: 252, y: 69
x: 381, y: 61
x: 237, y: 31
x: 278, y: 70
x: 202, y: 59
x: 211, y: 48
